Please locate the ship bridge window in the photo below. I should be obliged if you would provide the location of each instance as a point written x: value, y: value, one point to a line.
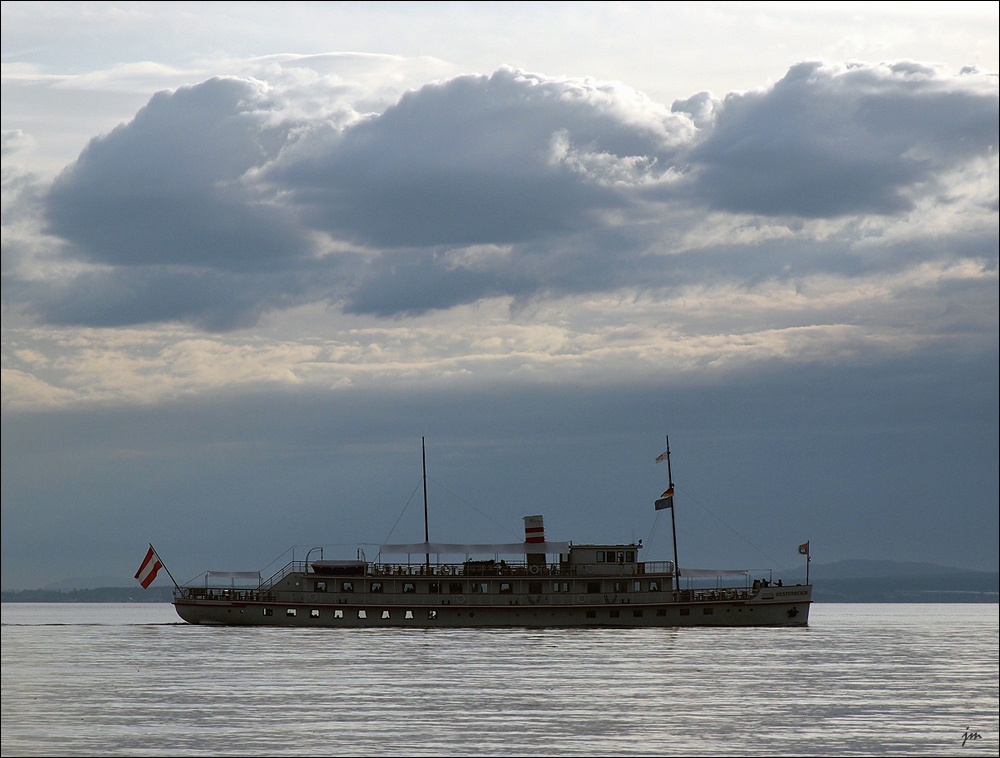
x: 621, y: 556
x: 320, y: 586
x: 376, y: 586
x: 600, y: 556
x: 347, y: 586
x: 409, y: 587
x: 630, y: 556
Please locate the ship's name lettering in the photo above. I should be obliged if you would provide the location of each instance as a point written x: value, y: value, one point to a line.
x: 791, y: 592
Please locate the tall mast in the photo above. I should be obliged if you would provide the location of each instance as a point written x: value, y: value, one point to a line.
x: 673, y: 523
x: 427, y: 539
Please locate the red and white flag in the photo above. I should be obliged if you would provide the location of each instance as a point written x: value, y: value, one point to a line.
x: 151, y: 564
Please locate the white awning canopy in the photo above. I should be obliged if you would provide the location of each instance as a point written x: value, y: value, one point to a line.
x: 713, y: 572
x: 255, y: 575
x: 439, y: 548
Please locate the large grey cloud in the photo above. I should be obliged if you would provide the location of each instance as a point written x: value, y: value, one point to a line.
x: 504, y: 185
x: 827, y: 141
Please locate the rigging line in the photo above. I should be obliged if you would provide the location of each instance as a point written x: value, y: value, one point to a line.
x: 386, y: 540
x: 705, y: 508
x: 652, y: 529
x: 470, y: 505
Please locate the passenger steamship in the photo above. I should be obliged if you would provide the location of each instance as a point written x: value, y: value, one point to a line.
x: 535, y: 583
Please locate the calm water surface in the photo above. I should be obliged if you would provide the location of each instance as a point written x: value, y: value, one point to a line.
x: 130, y: 679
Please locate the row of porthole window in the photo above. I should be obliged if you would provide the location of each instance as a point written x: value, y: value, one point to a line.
x: 534, y: 588
x: 363, y: 614
x: 339, y: 613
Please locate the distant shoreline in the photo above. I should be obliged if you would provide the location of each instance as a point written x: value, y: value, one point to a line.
x: 874, y: 590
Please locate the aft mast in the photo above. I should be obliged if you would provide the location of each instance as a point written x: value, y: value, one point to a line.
x: 667, y: 501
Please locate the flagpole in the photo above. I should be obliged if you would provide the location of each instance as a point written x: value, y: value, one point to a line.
x: 427, y: 539
x: 176, y: 585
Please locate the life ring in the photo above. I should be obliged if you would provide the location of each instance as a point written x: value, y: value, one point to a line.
x: 446, y: 570
x: 590, y: 569
x: 460, y: 599
x: 581, y: 598
x: 533, y: 569
x: 631, y: 569
x: 312, y: 596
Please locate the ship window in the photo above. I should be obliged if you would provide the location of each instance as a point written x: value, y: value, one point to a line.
x: 637, y: 613
x: 506, y: 588
x: 431, y: 614
x: 621, y: 556
x: 362, y: 614
x: 592, y: 614
x: 685, y: 611
x: 630, y: 556
x: 560, y: 586
x: 409, y: 587
x: 320, y: 586
x: 535, y: 588
x: 314, y: 613
x: 347, y: 586
x: 289, y: 611
x: 338, y: 614
x: 654, y: 586
x: 269, y: 611
x: 615, y: 613
x: 455, y: 588
x: 385, y: 614
x: 376, y: 586
x: 434, y: 587
x: 636, y: 586
x: 600, y: 556
x: 661, y: 611
x: 593, y: 587
x: 480, y: 587
x: 621, y: 587
x: 708, y: 611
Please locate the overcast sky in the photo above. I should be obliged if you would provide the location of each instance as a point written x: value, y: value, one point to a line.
x: 252, y: 253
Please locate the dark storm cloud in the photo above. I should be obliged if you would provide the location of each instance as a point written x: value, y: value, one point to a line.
x: 474, y: 160
x: 166, y: 189
x: 209, y: 188
x: 826, y: 141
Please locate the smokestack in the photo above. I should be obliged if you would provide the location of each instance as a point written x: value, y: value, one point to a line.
x: 534, y: 530
x: 534, y: 534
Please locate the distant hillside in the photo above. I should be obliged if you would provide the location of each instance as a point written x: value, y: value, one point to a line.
x: 897, y: 582
x: 135, y: 594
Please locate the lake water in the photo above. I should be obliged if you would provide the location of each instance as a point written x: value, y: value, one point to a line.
x: 130, y: 679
